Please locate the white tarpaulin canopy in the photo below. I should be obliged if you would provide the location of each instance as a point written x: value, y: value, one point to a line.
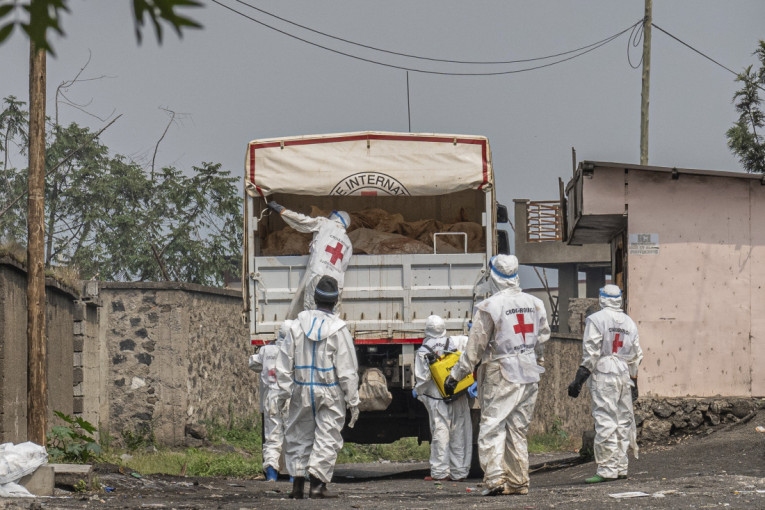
x: 368, y: 163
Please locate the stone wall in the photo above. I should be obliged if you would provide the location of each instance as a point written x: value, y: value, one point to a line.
x: 177, y: 354
x: 659, y: 419
x: 13, y: 350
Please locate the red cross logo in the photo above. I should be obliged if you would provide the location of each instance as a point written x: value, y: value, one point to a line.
x: 617, y: 343
x: 337, y: 252
x: 522, y: 327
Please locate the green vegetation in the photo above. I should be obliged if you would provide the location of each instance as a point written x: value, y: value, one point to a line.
x: 73, y: 442
x: 554, y: 440
x: 45, y: 15
x: 745, y: 138
x: 110, y: 218
x: 403, y: 449
x: 235, y: 449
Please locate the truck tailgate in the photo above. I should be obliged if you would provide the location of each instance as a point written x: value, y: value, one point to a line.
x: 385, y: 296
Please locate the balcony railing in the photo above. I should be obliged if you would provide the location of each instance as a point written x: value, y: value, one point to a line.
x: 544, y: 221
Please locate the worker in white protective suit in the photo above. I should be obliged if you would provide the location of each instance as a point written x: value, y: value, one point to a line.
x: 450, y: 427
x: 611, y: 358
x: 506, y: 329
x: 330, y: 250
x: 317, y: 368
x: 264, y: 362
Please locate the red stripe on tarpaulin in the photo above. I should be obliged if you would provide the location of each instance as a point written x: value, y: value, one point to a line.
x: 390, y: 341
x: 367, y: 341
x: 353, y: 138
x: 485, y: 165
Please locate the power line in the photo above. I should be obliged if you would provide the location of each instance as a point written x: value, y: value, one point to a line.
x: 694, y: 49
x: 425, y: 71
x: 431, y: 59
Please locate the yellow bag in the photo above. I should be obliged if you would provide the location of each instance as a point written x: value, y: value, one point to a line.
x: 442, y: 368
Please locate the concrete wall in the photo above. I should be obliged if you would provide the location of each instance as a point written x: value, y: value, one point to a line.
x: 13, y: 350
x: 563, y: 354
x: 699, y: 302
x: 176, y: 354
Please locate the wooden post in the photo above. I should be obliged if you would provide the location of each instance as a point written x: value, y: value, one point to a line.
x: 646, y: 82
x: 37, y: 359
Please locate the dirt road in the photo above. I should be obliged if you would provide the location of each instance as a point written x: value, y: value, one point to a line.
x: 723, y: 470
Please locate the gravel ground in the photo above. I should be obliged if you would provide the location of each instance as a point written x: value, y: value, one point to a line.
x: 725, y: 469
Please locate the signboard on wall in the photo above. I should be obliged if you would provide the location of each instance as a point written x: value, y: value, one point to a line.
x: 644, y: 244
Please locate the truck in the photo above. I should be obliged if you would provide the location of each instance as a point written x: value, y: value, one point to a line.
x: 437, y: 186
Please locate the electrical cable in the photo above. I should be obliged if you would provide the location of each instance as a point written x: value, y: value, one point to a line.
x: 431, y: 59
x: 700, y: 53
x: 424, y: 71
x: 635, y: 38
x: 654, y: 25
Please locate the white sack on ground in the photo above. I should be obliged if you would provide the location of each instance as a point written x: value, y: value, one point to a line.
x: 16, y: 462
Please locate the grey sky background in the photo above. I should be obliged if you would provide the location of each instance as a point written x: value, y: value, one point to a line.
x: 235, y: 80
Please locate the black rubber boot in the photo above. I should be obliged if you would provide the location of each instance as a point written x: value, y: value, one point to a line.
x: 319, y: 489
x: 298, y: 488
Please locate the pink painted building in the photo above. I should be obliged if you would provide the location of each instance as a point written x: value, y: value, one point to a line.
x: 688, y: 249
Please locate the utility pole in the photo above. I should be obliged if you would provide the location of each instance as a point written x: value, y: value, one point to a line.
x: 646, y: 82
x: 37, y: 357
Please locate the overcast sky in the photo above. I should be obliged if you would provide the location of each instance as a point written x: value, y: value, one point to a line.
x: 236, y: 80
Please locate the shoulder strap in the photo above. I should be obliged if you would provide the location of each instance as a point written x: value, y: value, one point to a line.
x: 430, y: 349
x: 446, y: 347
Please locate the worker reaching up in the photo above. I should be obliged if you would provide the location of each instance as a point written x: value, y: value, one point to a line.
x: 506, y: 329
x: 330, y: 251
x: 612, y: 355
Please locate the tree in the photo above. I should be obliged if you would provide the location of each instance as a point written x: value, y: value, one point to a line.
x: 115, y: 220
x: 45, y: 15
x: 747, y: 136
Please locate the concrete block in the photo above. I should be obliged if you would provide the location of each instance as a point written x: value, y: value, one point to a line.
x: 77, y: 405
x: 78, y: 343
x: 90, y: 288
x: 77, y: 375
x: 40, y: 482
x: 80, y: 309
x: 68, y: 475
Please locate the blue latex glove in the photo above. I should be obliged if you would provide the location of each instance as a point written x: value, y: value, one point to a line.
x: 473, y: 390
x: 414, y: 393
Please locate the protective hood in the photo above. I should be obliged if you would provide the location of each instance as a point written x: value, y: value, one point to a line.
x: 317, y: 325
x: 285, y: 327
x: 435, y: 327
x: 611, y: 297
x: 341, y: 217
x: 504, y: 272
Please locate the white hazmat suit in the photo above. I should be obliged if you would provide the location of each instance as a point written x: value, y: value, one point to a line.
x: 506, y: 329
x: 317, y: 368
x: 612, y: 354
x: 330, y: 251
x: 450, y: 427
x: 264, y: 362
